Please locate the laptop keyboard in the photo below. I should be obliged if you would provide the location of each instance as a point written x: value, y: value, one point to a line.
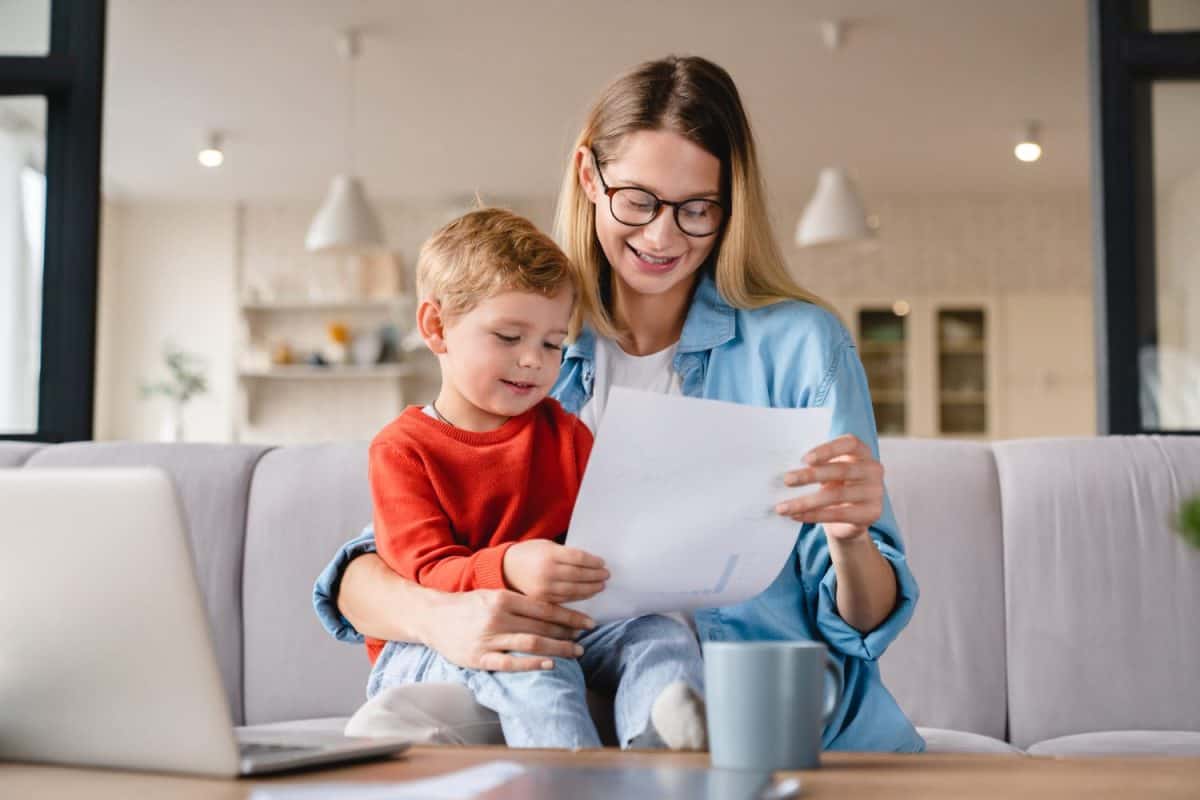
x: 249, y: 749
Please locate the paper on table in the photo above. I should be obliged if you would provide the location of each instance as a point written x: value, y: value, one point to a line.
x: 678, y: 499
x: 461, y: 785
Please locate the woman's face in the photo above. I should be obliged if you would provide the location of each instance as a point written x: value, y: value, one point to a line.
x: 657, y: 258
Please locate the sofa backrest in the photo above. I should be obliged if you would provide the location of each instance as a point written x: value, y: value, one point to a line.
x: 306, y: 502
x: 15, y: 454
x: 947, y: 668
x: 1102, y: 596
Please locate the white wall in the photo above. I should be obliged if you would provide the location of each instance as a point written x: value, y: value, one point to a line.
x: 954, y: 244
x: 166, y: 273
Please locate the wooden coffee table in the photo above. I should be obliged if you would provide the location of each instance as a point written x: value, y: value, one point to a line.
x: 843, y: 775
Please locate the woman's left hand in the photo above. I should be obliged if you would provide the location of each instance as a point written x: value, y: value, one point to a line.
x: 850, y: 497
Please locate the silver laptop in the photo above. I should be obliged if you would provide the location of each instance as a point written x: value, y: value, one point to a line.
x: 105, y: 652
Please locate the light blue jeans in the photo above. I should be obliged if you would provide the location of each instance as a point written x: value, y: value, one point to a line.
x: 632, y: 659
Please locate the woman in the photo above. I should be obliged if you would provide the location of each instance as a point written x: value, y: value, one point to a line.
x: 685, y: 292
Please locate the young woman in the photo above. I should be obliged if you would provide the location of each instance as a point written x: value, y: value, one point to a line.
x: 685, y: 292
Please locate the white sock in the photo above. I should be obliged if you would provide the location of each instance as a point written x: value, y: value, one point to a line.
x: 678, y: 716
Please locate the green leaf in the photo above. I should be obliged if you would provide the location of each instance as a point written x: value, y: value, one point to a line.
x: 1188, y: 521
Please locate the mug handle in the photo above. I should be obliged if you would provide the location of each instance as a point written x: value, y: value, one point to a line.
x: 831, y: 699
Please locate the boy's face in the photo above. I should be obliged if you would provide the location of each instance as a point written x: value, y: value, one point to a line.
x: 501, y: 358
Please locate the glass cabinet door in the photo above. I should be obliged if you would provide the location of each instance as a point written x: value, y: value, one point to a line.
x: 883, y: 347
x: 962, y: 371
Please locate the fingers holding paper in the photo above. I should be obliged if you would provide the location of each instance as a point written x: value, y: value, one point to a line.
x: 550, y: 571
x: 849, y: 494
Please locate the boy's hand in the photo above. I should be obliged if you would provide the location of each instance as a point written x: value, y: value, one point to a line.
x: 550, y: 571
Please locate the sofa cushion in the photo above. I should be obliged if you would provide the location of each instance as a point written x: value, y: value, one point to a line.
x: 1101, y: 593
x: 15, y: 454
x: 305, y: 502
x: 947, y: 668
x: 940, y: 740
x: 212, y: 482
x: 1121, y: 743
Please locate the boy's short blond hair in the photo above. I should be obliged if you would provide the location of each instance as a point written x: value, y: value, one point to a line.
x: 486, y: 252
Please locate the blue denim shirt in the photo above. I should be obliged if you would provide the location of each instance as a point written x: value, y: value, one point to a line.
x: 789, y: 354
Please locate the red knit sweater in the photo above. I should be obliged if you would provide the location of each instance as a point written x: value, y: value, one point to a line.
x: 449, y: 503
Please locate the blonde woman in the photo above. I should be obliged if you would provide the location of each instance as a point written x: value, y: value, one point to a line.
x: 685, y: 292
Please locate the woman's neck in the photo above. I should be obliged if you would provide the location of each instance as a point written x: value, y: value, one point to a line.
x: 652, y: 322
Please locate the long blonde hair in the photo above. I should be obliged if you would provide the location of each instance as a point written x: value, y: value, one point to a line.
x: 696, y: 99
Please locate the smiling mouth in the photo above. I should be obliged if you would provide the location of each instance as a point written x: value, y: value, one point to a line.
x: 519, y: 385
x: 646, y: 258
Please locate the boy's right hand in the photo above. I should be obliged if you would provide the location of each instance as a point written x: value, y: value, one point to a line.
x: 550, y: 571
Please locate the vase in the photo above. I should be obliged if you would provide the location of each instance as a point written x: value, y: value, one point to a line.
x: 172, y: 424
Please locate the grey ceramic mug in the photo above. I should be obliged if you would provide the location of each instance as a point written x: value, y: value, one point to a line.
x: 768, y: 703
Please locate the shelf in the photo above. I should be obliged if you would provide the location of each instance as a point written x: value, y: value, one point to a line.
x: 309, y: 373
x: 344, y: 306
x: 888, y: 396
x: 962, y: 398
x: 881, y: 347
x: 974, y: 347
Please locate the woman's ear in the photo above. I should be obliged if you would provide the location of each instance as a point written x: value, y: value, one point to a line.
x: 585, y: 166
x: 432, y: 326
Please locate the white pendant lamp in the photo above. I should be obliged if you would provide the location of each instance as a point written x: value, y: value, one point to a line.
x: 835, y: 213
x: 346, y: 223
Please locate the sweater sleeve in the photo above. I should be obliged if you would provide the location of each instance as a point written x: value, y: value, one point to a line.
x: 413, y: 533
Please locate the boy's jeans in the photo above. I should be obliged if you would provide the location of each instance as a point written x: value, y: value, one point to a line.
x: 635, y: 659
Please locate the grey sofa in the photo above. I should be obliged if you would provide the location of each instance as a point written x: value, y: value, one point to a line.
x: 1058, y: 613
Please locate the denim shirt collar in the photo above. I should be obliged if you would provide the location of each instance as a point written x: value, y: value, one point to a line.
x: 710, y: 323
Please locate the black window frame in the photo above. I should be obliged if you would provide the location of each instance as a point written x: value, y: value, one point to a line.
x: 71, y: 79
x: 1126, y: 59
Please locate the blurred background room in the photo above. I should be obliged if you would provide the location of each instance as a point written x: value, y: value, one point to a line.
x: 270, y: 169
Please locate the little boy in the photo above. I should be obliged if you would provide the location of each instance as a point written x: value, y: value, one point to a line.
x: 475, y: 491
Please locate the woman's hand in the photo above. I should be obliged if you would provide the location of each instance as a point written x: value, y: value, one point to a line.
x: 551, y: 571
x: 850, y: 497
x: 481, y: 629
x: 477, y: 630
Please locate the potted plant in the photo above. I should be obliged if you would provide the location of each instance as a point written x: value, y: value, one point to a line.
x: 186, y: 380
x: 1188, y: 521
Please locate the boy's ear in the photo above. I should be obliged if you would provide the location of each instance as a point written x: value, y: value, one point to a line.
x: 585, y: 166
x: 431, y: 326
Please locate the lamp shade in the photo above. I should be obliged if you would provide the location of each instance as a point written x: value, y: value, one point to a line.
x: 345, y: 223
x: 835, y: 213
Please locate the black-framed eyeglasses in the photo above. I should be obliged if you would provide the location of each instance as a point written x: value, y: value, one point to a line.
x: 634, y: 206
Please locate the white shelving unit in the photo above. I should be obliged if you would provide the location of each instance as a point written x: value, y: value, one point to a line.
x: 279, y: 402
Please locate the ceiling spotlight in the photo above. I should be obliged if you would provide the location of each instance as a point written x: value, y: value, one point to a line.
x: 1029, y: 146
x: 211, y: 155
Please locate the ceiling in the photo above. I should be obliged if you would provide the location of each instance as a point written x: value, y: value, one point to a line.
x: 455, y: 97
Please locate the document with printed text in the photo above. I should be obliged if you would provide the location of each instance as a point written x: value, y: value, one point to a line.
x: 679, y: 496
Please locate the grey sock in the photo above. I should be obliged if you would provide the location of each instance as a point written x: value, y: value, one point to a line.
x: 678, y: 717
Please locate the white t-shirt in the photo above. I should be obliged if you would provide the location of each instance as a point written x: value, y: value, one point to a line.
x: 614, y: 367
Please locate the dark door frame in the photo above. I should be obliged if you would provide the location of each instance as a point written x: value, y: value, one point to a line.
x: 1126, y: 58
x: 71, y: 78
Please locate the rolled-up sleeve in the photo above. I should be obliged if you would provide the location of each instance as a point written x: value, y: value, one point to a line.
x: 326, y: 587
x: 871, y: 645
x: 845, y: 391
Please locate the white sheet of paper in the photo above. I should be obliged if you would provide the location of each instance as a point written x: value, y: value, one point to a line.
x: 461, y: 785
x: 678, y: 499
